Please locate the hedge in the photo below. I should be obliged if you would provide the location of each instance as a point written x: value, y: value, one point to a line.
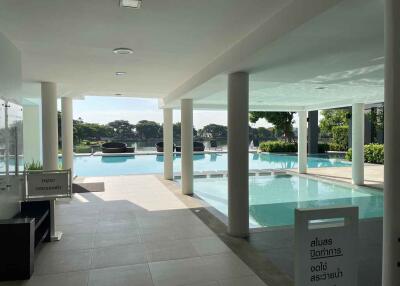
x: 373, y: 153
x: 324, y: 147
x: 278, y: 146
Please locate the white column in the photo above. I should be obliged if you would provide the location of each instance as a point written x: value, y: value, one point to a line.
x: 238, y: 154
x: 391, y: 225
x: 187, y: 145
x: 49, y: 126
x: 50, y: 141
x: 357, y: 143
x: 168, y: 144
x: 32, y: 134
x: 67, y: 135
x: 302, y: 142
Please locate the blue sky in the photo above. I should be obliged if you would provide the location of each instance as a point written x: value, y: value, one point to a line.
x: 106, y: 109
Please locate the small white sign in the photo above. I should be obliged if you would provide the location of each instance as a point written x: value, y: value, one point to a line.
x: 326, y: 246
x: 48, y: 184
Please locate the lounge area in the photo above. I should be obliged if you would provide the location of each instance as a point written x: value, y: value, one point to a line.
x: 247, y: 210
x: 116, y: 147
x: 197, y: 147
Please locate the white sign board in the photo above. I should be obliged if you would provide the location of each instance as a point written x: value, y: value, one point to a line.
x: 326, y: 246
x: 48, y: 184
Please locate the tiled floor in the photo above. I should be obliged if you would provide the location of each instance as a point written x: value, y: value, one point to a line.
x: 138, y: 233
x: 373, y: 174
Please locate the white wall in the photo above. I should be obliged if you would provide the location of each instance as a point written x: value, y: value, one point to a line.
x: 10, y: 83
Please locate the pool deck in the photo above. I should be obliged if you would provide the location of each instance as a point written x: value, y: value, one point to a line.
x: 135, y: 232
x: 142, y: 230
x: 373, y: 174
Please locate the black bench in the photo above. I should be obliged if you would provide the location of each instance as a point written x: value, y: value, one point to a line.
x: 19, y: 236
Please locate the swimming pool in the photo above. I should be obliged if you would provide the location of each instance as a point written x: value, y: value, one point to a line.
x: 272, y: 199
x: 145, y: 164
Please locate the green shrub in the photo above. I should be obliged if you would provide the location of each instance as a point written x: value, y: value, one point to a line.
x: 82, y: 149
x: 33, y: 166
x: 373, y: 153
x: 278, y: 146
x: 324, y: 147
x: 340, y: 137
x: 336, y: 147
x: 348, y: 154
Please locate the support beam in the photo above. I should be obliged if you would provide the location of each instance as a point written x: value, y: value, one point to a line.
x: 67, y: 135
x: 391, y: 226
x: 168, y: 144
x: 313, y: 132
x: 302, y: 143
x: 350, y: 133
x: 32, y: 132
x: 368, y: 139
x: 49, y: 126
x: 187, y: 145
x: 238, y: 154
x: 357, y: 146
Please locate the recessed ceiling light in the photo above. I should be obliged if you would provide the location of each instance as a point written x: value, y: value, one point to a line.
x: 120, y: 73
x: 130, y: 3
x: 122, y: 51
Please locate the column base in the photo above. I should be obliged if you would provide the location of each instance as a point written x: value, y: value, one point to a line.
x: 56, y: 236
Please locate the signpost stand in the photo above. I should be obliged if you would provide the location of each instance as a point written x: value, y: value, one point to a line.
x: 48, y: 185
x: 326, y: 246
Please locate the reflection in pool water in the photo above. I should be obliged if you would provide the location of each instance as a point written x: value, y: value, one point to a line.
x: 272, y: 199
x: 147, y: 164
x: 114, y: 160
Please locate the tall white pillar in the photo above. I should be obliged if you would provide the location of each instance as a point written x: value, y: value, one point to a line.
x: 391, y: 225
x: 302, y: 142
x: 32, y: 134
x: 67, y: 135
x: 357, y: 143
x: 49, y: 126
x: 168, y: 144
x: 50, y: 141
x: 187, y: 145
x: 238, y: 154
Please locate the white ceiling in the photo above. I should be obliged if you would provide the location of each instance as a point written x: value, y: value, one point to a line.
x: 301, y: 54
x: 332, y: 60
x: 71, y: 41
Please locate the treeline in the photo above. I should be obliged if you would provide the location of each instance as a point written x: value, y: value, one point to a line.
x: 123, y: 130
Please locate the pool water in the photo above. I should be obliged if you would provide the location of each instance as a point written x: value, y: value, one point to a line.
x: 145, y: 164
x: 272, y: 199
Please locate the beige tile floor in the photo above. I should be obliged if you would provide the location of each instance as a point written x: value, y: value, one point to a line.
x: 138, y: 233
x: 373, y: 174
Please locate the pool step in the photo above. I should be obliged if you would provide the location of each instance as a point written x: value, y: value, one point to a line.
x: 252, y: 173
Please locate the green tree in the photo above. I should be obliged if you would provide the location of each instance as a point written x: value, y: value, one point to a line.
x: 282, y: 121
x: 123, y: 130
x: 177, y: 130
x: 148, y: 130
x: 332, y: 118
x: 265, y: 134
x: 213, y: 131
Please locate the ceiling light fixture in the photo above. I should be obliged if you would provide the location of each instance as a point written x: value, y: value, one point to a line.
x: 122, y: 51
x: 118, y: 94
x: 120, y: 73
x: 136, y: 4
